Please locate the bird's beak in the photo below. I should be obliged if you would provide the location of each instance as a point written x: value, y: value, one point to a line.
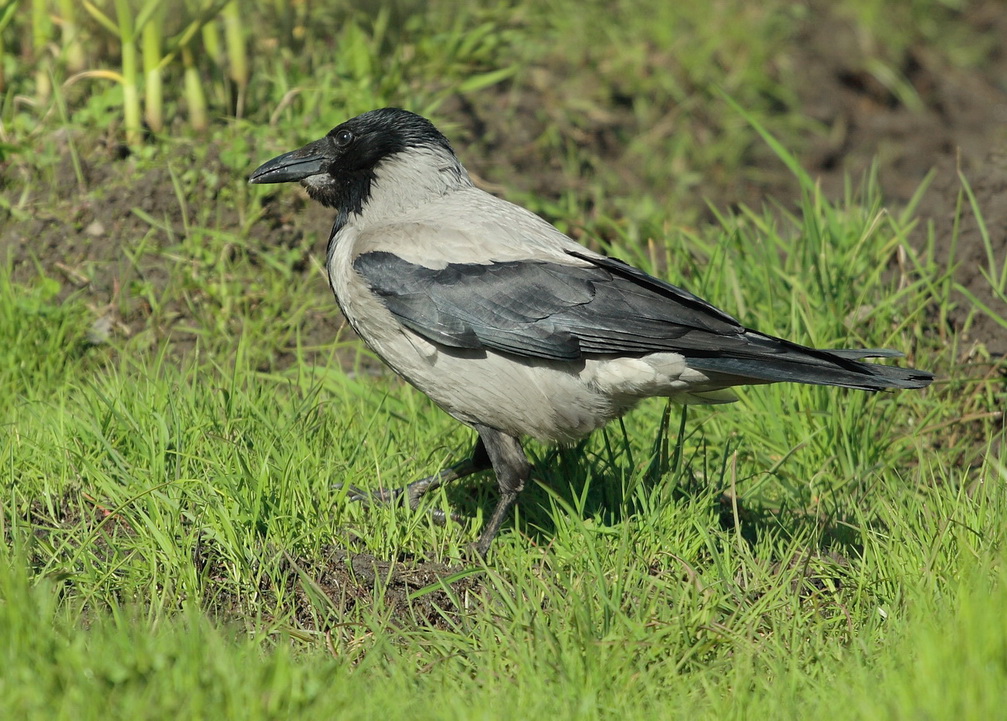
x: 295, y: 165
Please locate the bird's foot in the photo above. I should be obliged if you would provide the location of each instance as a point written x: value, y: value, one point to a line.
x: 410, y: 495
x: 383, y: 496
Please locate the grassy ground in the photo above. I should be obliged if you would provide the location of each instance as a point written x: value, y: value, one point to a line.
x: 179, y: 404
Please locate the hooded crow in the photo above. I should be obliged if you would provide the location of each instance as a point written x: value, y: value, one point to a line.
x: 506, y: 323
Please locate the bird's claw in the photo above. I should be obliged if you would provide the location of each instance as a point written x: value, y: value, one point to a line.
x: 410, y: 494
x: 383, y: 496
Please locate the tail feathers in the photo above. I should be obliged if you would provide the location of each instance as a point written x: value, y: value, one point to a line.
x: 706, y: 398
x: 858, y: 353
x: 774, y: 360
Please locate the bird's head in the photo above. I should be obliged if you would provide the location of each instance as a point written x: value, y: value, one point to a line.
x: 342, y: 169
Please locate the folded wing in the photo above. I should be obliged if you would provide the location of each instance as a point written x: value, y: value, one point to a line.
x: 557, y: 311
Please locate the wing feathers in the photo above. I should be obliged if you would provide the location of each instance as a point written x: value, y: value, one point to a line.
x: 555, y: 311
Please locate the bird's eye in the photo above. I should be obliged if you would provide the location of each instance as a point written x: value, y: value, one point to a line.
x: 343, y: 138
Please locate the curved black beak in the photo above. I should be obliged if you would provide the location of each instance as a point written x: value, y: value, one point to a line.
x: 295, y: 165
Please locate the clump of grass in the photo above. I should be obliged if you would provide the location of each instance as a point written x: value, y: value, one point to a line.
x: 52, y: 338
x: 154, y: 50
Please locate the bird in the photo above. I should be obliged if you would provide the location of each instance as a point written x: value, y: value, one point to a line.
x: 508, y: 324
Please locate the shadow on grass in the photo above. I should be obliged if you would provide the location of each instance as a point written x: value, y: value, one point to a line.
x: 605, y: 487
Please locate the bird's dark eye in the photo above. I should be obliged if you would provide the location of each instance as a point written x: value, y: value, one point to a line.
x: 343, y: 138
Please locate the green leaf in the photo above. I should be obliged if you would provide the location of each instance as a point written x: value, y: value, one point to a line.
x: 485, y: 80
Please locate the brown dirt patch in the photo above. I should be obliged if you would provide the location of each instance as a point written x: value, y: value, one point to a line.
x: 315, y: 594
x: 340, y: 592
x: 961, y: 125
x: 86, y: 232
x: 411, y: 591
x: 987, y: 178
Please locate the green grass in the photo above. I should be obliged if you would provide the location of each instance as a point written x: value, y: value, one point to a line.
x: 174, y: 533
x: 805, y: 550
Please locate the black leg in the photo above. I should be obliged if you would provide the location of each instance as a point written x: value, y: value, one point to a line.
x: 494, y: 449
x: 512, y: 470
x: 412, y: 493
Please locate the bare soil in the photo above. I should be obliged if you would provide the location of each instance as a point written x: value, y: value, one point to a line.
x: 961, y: 125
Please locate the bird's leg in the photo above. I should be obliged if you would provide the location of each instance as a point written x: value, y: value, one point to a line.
x: 512, y: 470
x: 411, y: 494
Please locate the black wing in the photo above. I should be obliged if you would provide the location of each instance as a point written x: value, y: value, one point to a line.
x: 554, y: 311
x: 546, y: 310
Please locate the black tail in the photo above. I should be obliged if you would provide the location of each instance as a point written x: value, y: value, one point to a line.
x: 774, y: 360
